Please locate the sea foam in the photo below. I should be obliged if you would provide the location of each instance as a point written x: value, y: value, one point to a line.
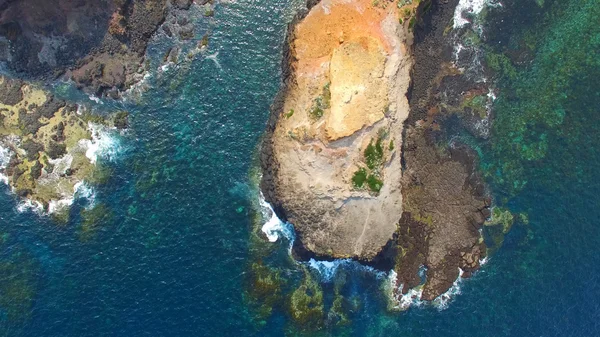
x: 327, y: 269
x: 103, y: 144
x: 472, y: 7
x: 441, y: 302
x: 412, y: 298
x: 274, y: 228
x: 5, y: 154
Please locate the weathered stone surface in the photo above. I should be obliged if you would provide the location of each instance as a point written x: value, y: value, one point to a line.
x: 345, y: 59
x: 444, y: 208
x: 45, y: 142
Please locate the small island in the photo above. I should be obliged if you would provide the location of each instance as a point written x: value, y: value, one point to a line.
x: 332, y: 161
x: 352, y: 156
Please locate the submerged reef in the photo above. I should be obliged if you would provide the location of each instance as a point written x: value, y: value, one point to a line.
x: 47, y: 145
x: 537, y: 94
x: 19, y: 283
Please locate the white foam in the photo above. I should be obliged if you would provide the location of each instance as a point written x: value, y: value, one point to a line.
x: 441, y: 302
x: 5, y: 155
x: 412, y: 298
x: 80, y: 190
x: 55, y: 206
x: 103, y: 143
x: 274, y: 228
x: 95, y: 99
x: 483, y: 261
x: 327, y: 269
x: 62, y: 164
x: 84, y: 191
x: 215, y: 59
x: 138, y: 87
x: 473, y: 7
x: 27, y: 205
x: 399, y: 301
x: 165, y: 67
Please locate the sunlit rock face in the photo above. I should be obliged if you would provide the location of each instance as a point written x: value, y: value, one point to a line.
x: 330, y: 164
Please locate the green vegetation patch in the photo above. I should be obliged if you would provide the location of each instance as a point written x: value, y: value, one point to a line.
x: 374, y: 158
x: 375, y: 184
x: 374, y: 154
x: 289, y: 113
x: 321, y: 103
x: 359, y: 178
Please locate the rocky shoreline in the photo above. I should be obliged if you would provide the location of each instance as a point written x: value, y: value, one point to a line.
x: 99, y: 45
x: 444, y: 200
x: 330, y: 163
x: 47, y: 145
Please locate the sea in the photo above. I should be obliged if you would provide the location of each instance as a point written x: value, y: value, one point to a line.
x: 165, y: 246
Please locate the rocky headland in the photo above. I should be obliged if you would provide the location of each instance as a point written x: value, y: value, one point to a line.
x: 47, y: 144
x: 100, y: 45
x: 356, y: 155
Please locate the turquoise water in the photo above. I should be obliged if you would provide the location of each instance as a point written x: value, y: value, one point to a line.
x: 170, y: 255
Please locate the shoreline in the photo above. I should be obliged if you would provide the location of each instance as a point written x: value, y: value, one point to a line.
x: 311, y: 159
x: 424, y: 244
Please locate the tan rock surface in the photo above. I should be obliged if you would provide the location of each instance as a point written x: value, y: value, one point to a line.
x: 349, y: 76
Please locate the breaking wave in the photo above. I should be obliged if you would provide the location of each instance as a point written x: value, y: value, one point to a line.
x: 103, y: 144
x: 274, y: 228
x: 5, y: 155
x: 471, y: 8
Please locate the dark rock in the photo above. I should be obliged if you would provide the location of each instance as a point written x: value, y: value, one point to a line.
x: 103, y: 53
x: 445, y: 202
x: 121, y: 120
x: 50, y: 107
x: 29, y: 121
x: 56, y: 150
x: 182, y: 4
x: 36, y: 170
x: 59, y: 136
x: 32, y: 149
x: 10, y: 91
x: 23, y: 193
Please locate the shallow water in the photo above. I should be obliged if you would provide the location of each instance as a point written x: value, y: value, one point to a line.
x: 169, y: 255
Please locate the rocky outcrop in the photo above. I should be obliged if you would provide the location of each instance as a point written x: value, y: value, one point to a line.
x: 343, y: 160
x: 444, y: 208
x: 44, y: 144
x: 329, y: 160
x: 99, y: 44
x: 445, y: 200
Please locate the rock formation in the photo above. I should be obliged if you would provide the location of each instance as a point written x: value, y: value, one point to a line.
x: 331, y: 166
x: 99, y: 44
x: 356, y: 155
x: 44, y: 144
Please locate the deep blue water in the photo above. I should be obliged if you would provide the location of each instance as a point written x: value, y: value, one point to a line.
x: 171, y: 259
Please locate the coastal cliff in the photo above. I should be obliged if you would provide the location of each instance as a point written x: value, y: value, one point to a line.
x: 355, y: 154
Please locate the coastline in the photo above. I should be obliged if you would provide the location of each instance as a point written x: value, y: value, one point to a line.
x: 424, y: 237
x: 108, y: 60
x: 313, y: 159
